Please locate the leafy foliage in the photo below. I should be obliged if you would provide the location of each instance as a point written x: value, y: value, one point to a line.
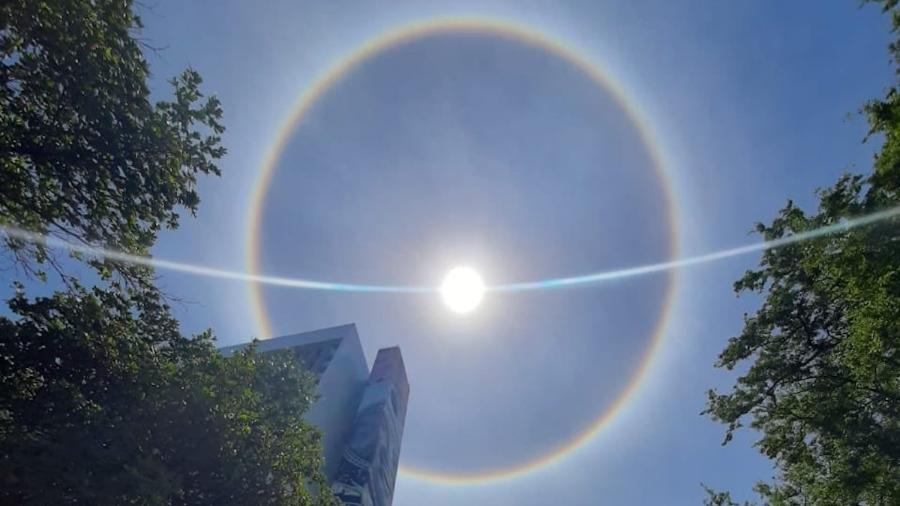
x: 104, y: 402
x: 714, y: 498
x: 84, y: 154
x: 823, y: 383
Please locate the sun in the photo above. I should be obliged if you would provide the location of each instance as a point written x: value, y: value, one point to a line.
x: 462, y: 289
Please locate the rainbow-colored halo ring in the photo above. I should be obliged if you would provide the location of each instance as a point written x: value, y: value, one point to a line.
x: 527, y: 36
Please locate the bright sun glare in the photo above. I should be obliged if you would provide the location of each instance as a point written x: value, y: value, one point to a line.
x: 462, y: 289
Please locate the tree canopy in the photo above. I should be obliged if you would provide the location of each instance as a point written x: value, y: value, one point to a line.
x: 84, y: 153
x: 104, y: 401
x: 822, y: 353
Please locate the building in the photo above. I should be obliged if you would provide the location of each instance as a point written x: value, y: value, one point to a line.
x: 368, y: 468
x: 360, y: 413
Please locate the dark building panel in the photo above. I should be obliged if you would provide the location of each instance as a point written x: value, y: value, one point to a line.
x: 368, y: 471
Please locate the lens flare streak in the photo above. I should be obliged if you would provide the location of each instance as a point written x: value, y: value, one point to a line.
x: 548, y: 284
x: 202, y: 270
x: 643, y: 270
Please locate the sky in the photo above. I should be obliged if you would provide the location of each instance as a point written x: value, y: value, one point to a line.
x: 471, y: 148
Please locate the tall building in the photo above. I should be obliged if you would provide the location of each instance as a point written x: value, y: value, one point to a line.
x: 368, y: 468
x: 361, y: 414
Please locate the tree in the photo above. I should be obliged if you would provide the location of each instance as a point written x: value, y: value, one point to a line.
x: 105, y: 402
x: 721, y: 499
x: 823, y: 381
x: 84, y: 154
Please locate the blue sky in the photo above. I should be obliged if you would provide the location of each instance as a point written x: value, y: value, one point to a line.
x: 479, y: 150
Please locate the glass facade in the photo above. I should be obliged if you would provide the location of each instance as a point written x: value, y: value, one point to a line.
x: 368, y: 469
